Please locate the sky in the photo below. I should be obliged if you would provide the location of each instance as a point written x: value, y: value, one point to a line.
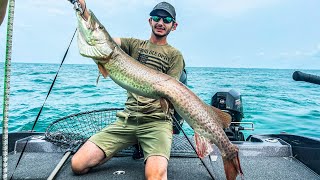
x: 280, y: 34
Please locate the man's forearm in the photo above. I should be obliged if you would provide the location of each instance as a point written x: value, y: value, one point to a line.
x: 86, y: 15
x: 3, y: 8
x: 85, y: 9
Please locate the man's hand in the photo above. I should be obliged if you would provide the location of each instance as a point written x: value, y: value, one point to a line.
x: 80, y: 5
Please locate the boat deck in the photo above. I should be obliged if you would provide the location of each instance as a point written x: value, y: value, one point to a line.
x: 270, y: 159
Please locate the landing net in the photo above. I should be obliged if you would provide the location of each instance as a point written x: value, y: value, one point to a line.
x: 79, y: 127
x: 70, y: 131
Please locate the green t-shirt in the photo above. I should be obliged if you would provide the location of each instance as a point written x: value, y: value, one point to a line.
x: 163, y: 58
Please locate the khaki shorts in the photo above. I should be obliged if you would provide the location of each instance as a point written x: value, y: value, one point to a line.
x: 155, y: 137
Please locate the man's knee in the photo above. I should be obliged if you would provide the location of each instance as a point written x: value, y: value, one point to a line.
x: 77, y: 167
x: 88, y: 156
x: 156, y: 168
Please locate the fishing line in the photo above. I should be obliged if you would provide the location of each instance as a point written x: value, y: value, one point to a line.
x: 35, y: 122
x: 185, y: 135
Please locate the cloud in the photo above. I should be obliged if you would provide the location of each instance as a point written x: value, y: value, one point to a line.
x: 112, y: 7
x: 119, y: 3
x: 56, y: 11
x: 313, y: 53
x: 293, y: 54
x: 316, y: 52
x: 260, y: 53
x: 284, y: 54
x: 24, y: 25
x: 231, y: 8
x: 226, y: 8
x: 48, y: 7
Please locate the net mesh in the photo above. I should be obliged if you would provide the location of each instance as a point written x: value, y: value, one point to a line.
x: 79, y: 127
x: 71, y: 131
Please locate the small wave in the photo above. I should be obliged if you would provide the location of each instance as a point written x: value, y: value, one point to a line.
x: 43, y: 73
x: 42, y: 81
x: 87, y: 91
x: 67, y: 92
x: 289, y: 100
x: 88, y: 86
x: 25, y: 90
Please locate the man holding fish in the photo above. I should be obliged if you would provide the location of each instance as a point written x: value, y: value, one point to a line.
x: 144, y: 120
x: 151, y: 71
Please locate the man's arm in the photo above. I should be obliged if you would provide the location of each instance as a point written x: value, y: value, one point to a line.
x: 118, y: 41
x: 86, y: 15
x: 3, y: 8
x: 177, y: 65
x: 84, y: 7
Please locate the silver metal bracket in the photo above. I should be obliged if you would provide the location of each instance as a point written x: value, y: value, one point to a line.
x: 249, y: 123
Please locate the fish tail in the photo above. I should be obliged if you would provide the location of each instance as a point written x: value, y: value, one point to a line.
x: 232, y: 167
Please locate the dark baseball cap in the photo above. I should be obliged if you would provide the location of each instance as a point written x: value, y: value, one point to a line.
x: 164, y: 6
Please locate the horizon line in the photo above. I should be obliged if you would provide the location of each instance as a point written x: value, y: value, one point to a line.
x: 186, y: 66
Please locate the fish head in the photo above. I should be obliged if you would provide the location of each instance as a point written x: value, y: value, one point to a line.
x: 92, y: 30
x: 93, y: 40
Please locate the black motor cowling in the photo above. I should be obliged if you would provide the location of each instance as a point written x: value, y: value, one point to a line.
x: 230, y: 101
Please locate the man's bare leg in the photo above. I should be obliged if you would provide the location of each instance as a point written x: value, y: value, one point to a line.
x: 88, y: 156
x: 156, y: 168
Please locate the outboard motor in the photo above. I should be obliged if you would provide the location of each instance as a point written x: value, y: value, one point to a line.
x: 231, y: 102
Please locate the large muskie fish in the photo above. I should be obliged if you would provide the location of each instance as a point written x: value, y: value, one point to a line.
x: 208, y: 122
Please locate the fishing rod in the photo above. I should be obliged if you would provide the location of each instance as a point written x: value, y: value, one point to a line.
x: 37, y: 118
x: 71, y: 150
x: 185, y: 135
x: 7, y: 70
x: 77, y: 7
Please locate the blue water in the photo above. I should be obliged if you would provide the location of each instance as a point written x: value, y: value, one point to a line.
x: 272, y: 100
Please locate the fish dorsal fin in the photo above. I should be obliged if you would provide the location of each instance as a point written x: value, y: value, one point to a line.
x: 225, y: 118
x: 203, y: 145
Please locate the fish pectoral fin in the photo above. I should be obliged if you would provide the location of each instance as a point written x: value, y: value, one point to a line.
x: 225, y: 118
x: 102, y: 70
x: 203, y: 145
x: 164, y: 105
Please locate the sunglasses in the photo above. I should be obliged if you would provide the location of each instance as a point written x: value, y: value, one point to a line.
x: 166, y: 20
